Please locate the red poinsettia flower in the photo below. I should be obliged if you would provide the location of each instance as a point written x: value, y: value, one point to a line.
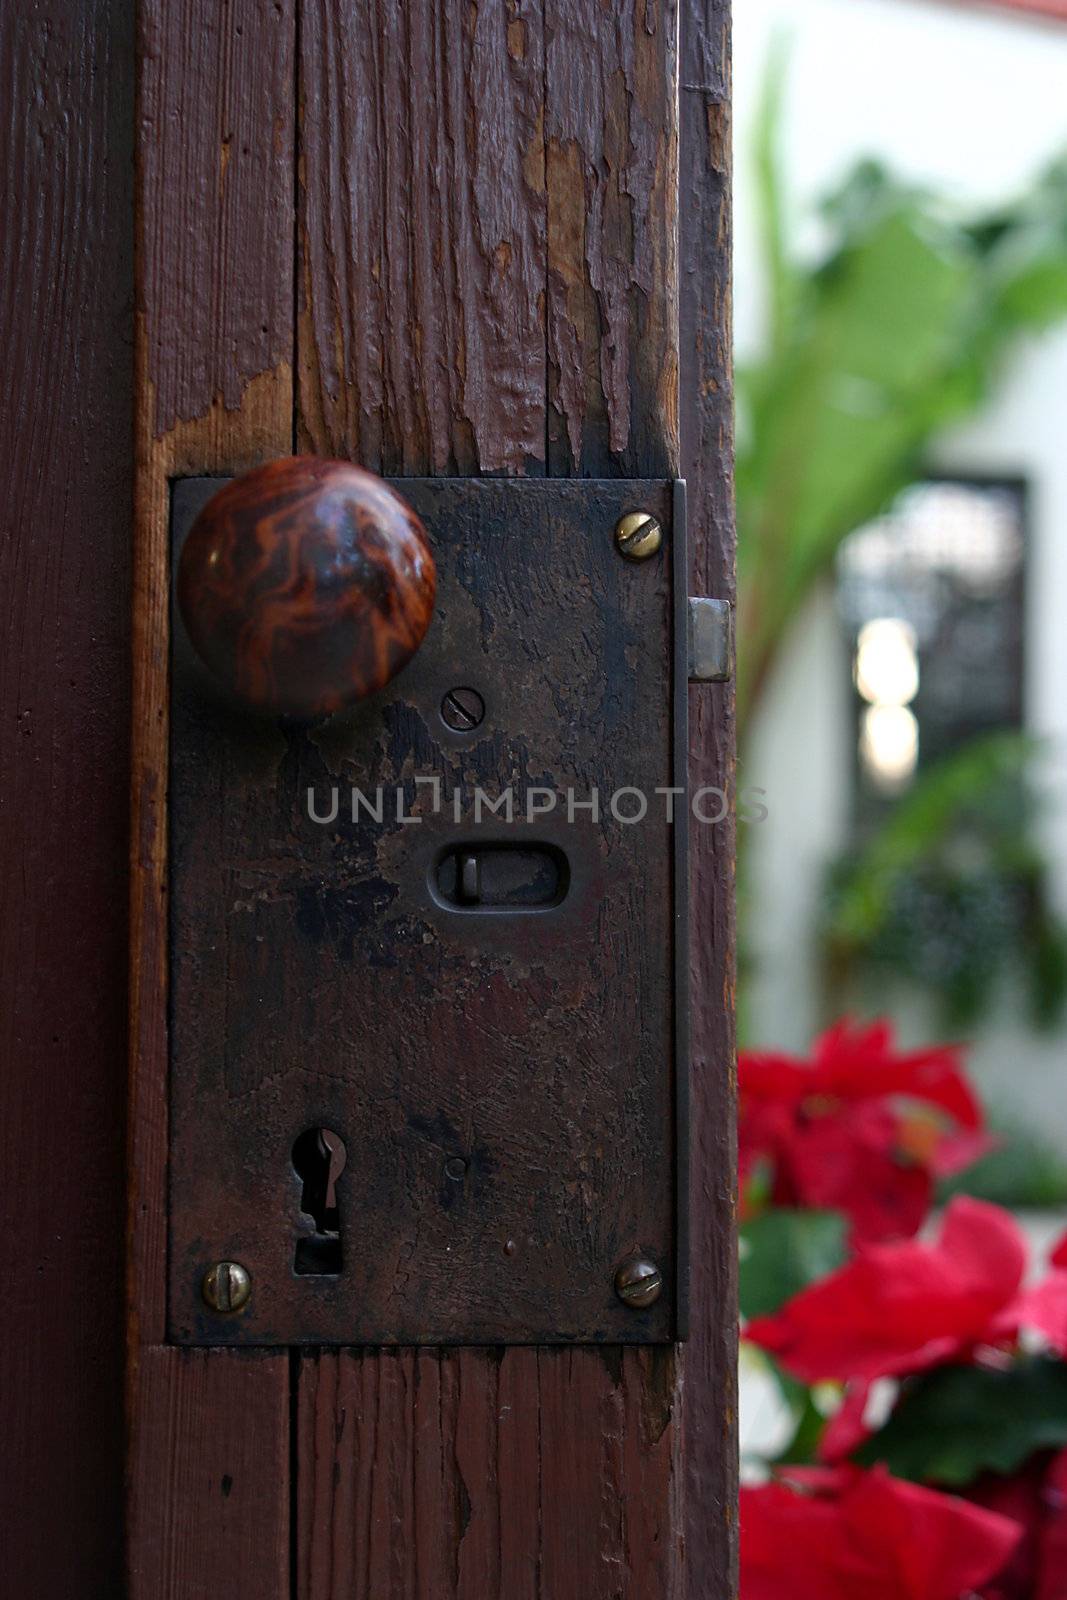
x: 859, y: 1128
x: 899, y: 1308
x: 1044, y: 1308
x: 847, y: 1534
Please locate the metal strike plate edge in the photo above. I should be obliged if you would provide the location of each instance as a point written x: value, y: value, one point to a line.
x: 710, y: 633
x: 680, y: 768
x: 591, y: 503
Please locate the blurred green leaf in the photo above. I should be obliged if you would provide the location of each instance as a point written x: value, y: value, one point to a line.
x: 899, y: 328
x: 951, y: 890
x: 803, y: 1447
x: 783, y: 1251
x: 957, y: 1422
x: 781, y: 273
x: 1024, y: 1171
x: 923, y: 820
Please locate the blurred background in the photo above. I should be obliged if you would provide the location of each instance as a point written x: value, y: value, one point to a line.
x: 901, y: 335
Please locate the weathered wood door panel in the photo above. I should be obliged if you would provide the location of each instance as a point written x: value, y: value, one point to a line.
x: 66, y: 278
x: 438, y: 239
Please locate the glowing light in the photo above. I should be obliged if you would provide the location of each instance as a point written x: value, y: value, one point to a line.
x: 889, y: 745
x: 887, y: 662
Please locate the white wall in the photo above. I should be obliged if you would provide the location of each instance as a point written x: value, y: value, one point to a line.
x: 972, y: 102
x: 969, y: 100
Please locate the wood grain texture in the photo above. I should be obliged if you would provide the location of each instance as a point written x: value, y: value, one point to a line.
x: 611, y: 148
x: 66, y: 267
x: 209, y: 1518
x: 422, y: 231
x: 709, y: 1390
x: 393, y: 1452
x: 481, y: 1473
x: 530, y: 1474
x: 197, y: 215
x: 215, y: 159
x: 465, y: 227
x: 214, y: 337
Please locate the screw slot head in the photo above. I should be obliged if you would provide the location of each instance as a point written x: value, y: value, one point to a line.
x: 638, y: 535
x: 462, y: 709
x: 638, y: 1283
x: 227, y: 1286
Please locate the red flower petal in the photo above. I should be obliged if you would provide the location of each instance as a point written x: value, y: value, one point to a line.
x: 1043, y: 1307
x: 763, y: 1133
x: 956, y: 1151
x: 846, y: 1431
x: 862, y: 1063
x: 1058, y: 1258
x: 787, y: 1545
x: 854, y: 1535
x: 930, y: 1546
x: 763, y: 1075
x: 985, y: 1244
x: 851, y: 1062
x: 902, y: 1307
x: 851, y: 1163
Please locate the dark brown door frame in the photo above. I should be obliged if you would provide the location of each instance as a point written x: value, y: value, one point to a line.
x: 572, y: 158
x: 66, y: 280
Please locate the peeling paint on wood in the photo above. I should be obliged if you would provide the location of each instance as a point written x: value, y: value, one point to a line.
x: 575, y: 1482
x: 486, y: 280
x: 215, y: 155
x: 611, y: 162
x: 213, y: 345
x: 422, y: 235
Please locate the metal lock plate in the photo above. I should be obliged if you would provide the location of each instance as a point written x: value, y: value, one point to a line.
x: 486, y: 1015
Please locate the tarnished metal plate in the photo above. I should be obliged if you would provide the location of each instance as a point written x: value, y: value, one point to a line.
x: 711, y: 641
x: 484, y: 1014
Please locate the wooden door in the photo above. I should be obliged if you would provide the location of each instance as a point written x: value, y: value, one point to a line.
x: 435, y: 239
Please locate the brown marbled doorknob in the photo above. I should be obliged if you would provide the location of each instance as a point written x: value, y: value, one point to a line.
x: 305, y: 585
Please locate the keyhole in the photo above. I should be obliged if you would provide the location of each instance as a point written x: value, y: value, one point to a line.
x: 319, y: 1157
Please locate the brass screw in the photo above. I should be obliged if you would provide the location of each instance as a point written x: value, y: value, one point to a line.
x: 638, y: 1282
x: 227, y: 1286
x: 638, y: 535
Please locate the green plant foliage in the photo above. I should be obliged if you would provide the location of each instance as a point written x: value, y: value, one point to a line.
x: 1023, y: 1171
x: 810, y: 1424
x: 897, y: 330
x: 782, y: 1251
x: 957, y: 1422
x: 950, y: 892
